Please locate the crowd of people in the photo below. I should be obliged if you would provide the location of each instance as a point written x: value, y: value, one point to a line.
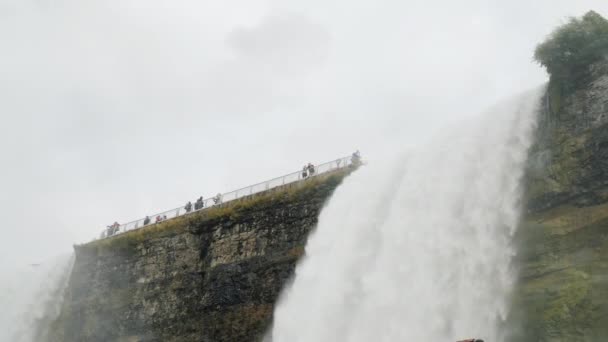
x: 308, y: 171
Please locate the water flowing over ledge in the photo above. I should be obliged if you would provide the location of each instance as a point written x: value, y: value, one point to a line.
x: 428, y: 250
x: 32, y: 296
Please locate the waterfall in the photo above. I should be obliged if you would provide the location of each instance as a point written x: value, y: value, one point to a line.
x: 31, y: 298
x: 418, y: 249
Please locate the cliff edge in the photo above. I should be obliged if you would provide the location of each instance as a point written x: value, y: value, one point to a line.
x: 213, y: 276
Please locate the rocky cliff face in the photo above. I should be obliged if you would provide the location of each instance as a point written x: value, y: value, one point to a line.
x: 213, y: 276
x: 568, y: 163
x: 563, y: 293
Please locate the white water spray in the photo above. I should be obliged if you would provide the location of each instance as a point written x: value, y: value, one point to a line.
x: 31, y: 298
x: 421, y: 250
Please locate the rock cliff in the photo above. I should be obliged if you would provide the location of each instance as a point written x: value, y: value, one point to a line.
x: 212, y: 276
x: 563, y: 290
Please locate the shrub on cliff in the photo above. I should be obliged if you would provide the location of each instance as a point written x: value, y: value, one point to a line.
x: 573, y: 47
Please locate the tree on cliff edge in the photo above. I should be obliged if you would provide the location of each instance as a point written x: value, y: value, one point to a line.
x: 573, y: 47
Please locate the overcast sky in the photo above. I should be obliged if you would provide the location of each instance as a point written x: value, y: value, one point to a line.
x: 112, y: 110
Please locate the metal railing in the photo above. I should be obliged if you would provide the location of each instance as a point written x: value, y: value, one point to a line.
x: 220, y: 199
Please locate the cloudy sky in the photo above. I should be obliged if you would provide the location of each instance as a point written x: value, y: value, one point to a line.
x: 112, y: 110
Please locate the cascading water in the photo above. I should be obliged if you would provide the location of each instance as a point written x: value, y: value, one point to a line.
x: 31, y: 298
x: 419, y: 250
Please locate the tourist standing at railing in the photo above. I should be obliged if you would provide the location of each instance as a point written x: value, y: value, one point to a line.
x: 188, y: 207
x: 304, y: 171
x: 199, y: 204
x: 146, y: 220
x: 311, y: 170
x: 217, y: 199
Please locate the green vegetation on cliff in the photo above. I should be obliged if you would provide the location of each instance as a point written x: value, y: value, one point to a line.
x: 572, y: 48
x: 562, y: 294
x: 565, y: 163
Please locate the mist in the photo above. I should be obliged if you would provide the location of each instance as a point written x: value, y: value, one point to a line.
x: 115, y: 110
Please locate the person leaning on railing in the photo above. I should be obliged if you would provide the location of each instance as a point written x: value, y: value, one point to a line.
x: 112, y: 229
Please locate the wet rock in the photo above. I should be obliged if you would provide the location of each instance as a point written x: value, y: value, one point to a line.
x: 212, y: 279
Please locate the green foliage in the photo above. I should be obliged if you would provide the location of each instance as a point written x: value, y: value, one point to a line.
x: 573, y: 47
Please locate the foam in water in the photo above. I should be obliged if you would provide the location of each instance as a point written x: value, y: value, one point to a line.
x: 419, y: 250
x: 31, y: 298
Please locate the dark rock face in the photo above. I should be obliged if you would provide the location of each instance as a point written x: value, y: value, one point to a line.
x: 563, y: 290
x: 214, y: 279
x: 568, y: 163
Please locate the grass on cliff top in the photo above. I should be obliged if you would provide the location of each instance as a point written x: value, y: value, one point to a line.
x: 229, y: 211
